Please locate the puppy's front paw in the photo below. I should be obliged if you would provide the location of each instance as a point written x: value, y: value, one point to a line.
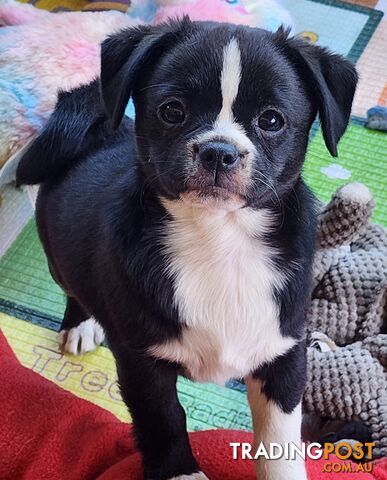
x: 193, y: 476
x: 281, y: 470
x: 81, y: 339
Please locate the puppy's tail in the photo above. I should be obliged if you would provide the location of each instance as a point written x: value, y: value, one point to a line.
x: 73, y: 128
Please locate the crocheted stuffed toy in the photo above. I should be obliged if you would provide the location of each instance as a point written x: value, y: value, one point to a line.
x: 347, y: 329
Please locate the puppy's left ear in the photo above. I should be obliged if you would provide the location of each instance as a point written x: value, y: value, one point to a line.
x: 126, y: 56
x: 331, y: 80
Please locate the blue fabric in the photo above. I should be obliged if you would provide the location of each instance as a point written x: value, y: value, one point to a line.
x: 377, y: 118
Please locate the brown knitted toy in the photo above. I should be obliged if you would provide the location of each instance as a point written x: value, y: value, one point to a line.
x: 347, y: 357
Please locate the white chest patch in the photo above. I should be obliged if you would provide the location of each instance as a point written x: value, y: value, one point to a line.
x: 224, y: 278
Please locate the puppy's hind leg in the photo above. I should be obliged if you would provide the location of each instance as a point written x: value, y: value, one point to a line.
x: 79, y: 333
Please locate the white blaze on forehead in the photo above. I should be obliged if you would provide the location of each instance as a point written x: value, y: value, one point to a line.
x: 225, y: 126
x: 230, y: 79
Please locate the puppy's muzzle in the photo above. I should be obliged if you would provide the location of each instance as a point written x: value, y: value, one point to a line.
x: 217, y: 156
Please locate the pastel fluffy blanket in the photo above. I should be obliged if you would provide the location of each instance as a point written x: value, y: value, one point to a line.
x: 40, y: 53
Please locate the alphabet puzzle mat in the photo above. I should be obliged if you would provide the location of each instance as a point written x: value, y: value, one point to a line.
x: 32, y: 305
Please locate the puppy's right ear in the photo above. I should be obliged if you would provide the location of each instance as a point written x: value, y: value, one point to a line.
x: 128, y: 54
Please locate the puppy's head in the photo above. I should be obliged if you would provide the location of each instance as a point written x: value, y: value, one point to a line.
x: 223, y: 112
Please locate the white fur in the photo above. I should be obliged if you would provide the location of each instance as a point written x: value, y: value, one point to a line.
x: 271, y: 424
x: 83, y: 338
x: 225, y: 126
x: 230, y: 132
x: 230, y: 78
x: 224, y: 279
x: 194, y: 476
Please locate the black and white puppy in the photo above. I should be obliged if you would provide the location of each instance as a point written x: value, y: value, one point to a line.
x: 189, y: 235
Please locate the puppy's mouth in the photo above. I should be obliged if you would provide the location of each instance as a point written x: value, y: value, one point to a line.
x: 213, y: 196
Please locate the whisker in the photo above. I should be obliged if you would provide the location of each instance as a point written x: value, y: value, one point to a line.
x: 272, y: 188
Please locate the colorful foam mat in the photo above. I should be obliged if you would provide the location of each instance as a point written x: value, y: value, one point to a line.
x: 93, y: 377
x: 32, y: 304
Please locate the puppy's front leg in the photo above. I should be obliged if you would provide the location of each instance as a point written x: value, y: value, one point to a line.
x: 275, y: 393
x: 148, y: 387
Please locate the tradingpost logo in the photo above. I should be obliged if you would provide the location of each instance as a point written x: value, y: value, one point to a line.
x: 343, y: 450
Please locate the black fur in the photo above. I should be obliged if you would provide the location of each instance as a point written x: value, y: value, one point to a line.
x: 74, y: 130
x: 100, y: 218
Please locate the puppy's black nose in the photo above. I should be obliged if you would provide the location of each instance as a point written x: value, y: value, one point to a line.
x: 218, y: 156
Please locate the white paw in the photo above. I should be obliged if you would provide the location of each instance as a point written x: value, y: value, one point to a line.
x: 81, y: 339
x: 193, y: 476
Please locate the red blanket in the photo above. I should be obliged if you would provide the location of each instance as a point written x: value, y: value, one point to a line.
x: 48, y: 433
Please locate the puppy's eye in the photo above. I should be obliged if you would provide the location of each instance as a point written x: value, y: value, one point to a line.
x: 172, y: 112
x: 271, y: 121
